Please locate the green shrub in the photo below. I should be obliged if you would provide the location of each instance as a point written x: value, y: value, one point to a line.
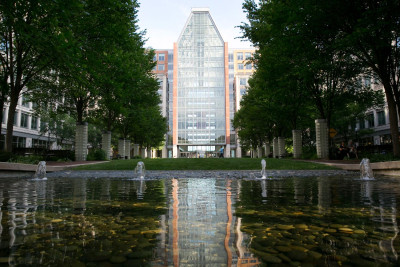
x: 5, y: 156
x: 32, y: 159
x: 309, y: 152
x: 97, y: 154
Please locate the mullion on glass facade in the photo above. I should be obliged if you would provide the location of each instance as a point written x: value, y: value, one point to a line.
x: 201, y: 99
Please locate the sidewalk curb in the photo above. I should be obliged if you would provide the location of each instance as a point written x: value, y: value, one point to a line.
x: 386, y: 168
x: 9, y: 166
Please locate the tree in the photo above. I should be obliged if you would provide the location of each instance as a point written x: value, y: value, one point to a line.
x: 302, y: 56
x: 31, y: 41
x: 370, y: 31
x: 61, y: 126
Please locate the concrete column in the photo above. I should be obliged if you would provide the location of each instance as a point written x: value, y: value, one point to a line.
x: 18, y: 113
x: 149, y: 153
x: 281, y: 147
x: 227, y: 151
x: 128, y: 149
x: 121, y: 148
x: 275, y: 149
x: 259, y: 152
x: 238, y: 148
x: 267, y: 148
x: 321, y: 131
x: 143, y: 152
x: 81, y: 141
x: 106, y: 143
x: 297, y: 143
x: 29, y: 121
x: 175, y: 152
x: 164, y: 152
x: 136, y: 149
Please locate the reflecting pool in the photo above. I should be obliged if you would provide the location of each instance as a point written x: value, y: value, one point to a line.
x: 303, y: 221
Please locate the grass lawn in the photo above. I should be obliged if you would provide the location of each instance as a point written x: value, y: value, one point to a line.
x: 206, y: 164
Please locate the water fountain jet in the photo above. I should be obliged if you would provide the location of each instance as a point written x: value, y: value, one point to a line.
x: 41, y: 171
x: 140, y: 170
x: 366, y: 170
x: 263, y: 172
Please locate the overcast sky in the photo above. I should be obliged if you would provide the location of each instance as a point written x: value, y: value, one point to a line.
x: 165, y: 19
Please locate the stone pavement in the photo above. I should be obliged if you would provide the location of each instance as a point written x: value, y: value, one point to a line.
x: 60, y: 169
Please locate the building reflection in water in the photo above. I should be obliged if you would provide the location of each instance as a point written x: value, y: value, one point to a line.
x: 204, y: 230
x: 200, y: 227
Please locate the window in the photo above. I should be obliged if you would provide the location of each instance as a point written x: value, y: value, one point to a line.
x: 381, y: 117
x: 370, y: 119
x: 24, y: 120
x: 161, y: 57
x: 43, y: 126
x: 25, y: 101
x: 243, y: 81
x: 230, y: 57
x: 161, y: 67
x: 247, y: 55
x: 362, y: 124
x: 248, y: 66
x: 242, y: 91
x: 240, y: 66
x: 34, y: 123
x: 239, y: 56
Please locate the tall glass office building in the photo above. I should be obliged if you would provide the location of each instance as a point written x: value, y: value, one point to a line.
x: 200, y: 88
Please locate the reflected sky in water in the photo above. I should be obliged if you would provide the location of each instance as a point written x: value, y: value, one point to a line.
x: 180, y: 222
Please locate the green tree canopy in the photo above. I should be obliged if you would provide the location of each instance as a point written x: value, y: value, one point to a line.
x: 300, y: 58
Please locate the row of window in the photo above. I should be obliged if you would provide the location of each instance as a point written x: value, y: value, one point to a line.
x: 242, y: 66
x: 239, y: 56
x: 371, y: 120
x: 24, y: 122
x: 159, y: 57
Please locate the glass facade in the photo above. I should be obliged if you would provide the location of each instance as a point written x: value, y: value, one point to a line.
x: 201, y: 83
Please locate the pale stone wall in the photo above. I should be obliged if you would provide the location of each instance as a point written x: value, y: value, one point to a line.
x: 128, y: 149
x: 321, y: 131
x: 149, y: 153
x: 106, y: 143
x: 81, y: 141
x: 297, y: 143
x: 121, y: 148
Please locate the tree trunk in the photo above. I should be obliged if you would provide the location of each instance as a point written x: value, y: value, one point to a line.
x: 79, y: 111
x: 1, y: 112
x: 394, y: 125
x: 10, y: 121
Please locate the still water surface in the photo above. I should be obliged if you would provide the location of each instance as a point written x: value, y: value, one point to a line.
x: 315, y: 221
